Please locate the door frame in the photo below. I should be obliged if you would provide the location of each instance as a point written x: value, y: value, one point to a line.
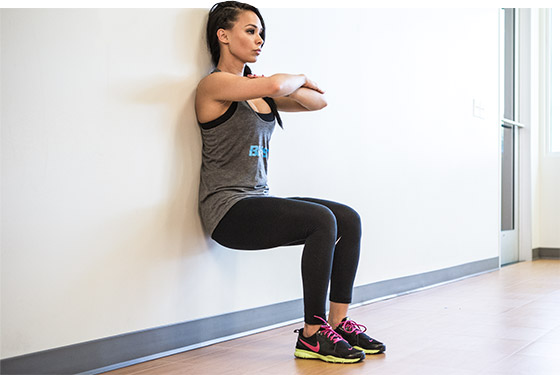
x: 529, y: 57
x: 509, y: 239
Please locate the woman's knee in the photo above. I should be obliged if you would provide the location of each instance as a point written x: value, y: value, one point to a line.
x: 349, y: 220
x: 324, y: 220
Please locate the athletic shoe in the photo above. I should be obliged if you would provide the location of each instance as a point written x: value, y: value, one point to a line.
x: 326, y: 345
x: 353, y: 332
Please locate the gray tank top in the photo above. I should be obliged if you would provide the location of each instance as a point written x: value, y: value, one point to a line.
x: 234, y: 160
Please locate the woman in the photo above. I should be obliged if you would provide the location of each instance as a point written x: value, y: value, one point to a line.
x: 237, y: 112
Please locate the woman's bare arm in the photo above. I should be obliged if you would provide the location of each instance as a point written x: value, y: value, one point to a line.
x: 308, y: 97
x: 222, y: 86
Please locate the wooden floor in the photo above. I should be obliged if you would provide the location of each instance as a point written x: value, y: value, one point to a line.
x: 503, y: 322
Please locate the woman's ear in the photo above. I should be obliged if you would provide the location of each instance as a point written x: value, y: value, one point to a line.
x: 222, y: 36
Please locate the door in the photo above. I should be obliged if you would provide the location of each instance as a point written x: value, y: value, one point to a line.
x: 510, y: 140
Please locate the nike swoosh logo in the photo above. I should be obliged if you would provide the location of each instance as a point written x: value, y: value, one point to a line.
x: 315, y: 348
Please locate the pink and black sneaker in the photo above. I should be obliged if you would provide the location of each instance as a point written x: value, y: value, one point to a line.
x: 354, y: 334
x: 326, y: 345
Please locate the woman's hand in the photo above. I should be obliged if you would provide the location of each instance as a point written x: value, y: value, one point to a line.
x: 312, y: 85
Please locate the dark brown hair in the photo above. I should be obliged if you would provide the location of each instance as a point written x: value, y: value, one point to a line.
x: 222, y: 16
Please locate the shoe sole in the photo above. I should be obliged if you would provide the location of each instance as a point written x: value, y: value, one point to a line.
x: 378, y: 351
x: 305, y: 354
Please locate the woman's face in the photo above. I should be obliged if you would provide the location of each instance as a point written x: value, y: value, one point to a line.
x: 244, y: 40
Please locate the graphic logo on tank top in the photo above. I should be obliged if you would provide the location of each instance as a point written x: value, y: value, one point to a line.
x: 258, y: 151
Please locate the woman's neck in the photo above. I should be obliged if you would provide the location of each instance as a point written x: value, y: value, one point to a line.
x: 234, y: 67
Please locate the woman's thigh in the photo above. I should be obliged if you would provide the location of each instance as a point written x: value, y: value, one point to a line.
x: 265, y: 222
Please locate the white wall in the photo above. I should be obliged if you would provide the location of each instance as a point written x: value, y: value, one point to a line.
x: 101, y: 155
x: 545, y: 165
x: 549, y: 173
x: 549, y: 185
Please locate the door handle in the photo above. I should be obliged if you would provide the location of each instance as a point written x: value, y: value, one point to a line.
x: 512, y: 123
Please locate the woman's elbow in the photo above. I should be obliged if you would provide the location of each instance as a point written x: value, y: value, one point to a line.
x: 315, y: 105
x: 322, y: 103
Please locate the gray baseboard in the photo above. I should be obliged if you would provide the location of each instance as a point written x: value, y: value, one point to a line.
x: 546, y: 253
x: 94, y: 357
x: 409, y: 283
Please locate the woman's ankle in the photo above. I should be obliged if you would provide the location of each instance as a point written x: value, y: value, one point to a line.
x: 337, y: 312
x: 310, y: 329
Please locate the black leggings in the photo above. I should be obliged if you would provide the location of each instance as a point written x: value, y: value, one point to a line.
x: 330, y: 231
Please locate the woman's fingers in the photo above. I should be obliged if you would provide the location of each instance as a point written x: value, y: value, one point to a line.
x: 313, y: 86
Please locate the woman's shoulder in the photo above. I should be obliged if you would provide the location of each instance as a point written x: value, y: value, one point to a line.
x: 212, y: 80
x: 204, y: 80
x: 207, y: 106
